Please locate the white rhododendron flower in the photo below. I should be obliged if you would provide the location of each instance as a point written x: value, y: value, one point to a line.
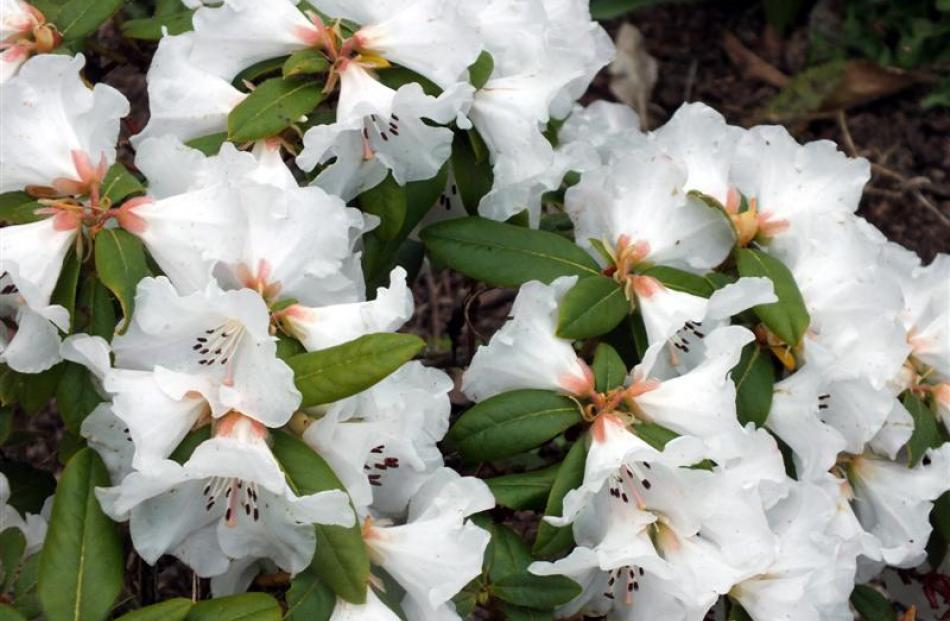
x: 23, y: 32
x: 214, y: 342
x: 229, y: 500
x: 31, y: 525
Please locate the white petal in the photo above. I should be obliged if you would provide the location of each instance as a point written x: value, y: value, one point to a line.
x: 47, y: 114
x: 372, y: 610
x: 35, y: 346
x: 32, y: 255
x: 106, y: 433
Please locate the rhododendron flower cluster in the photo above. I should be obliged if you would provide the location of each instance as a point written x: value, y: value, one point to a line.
x: 747, y: 387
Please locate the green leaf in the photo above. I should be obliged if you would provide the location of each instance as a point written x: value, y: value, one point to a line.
x: 120, y: 263
x: 526, y: 589
x: 6, y: 424
x: 737, y: 612
x: 926, y: 431
x: 387, y: 201
x: 25, y: 599
x: 480, y: 71
x: 10, y: 614
x: 12, y: 548
x: 503, y: 254
x: 29, y: 487
x: 37, y: 389
x: 511, y: 423
x: 119, y: 184
x: 472, y: 168
x: 82, y: 562
x: 308, y: 599
x: 341, y: 560
x: 97, y: 309
x: 553, y: 539
x: 183, y: 451
x: 18, y: 208
x: 520, y: 613
x: 609, y: 369
x: 175, y: 609
x: 150, y: 28
x: 592, y: 307
x: 609, y: 9
x: 79, y: 18
x: 507, y: 554
x: 788, y: 318
x: 65, y: 292
x: 304, y: 62
x: 268, y: 68
x: 272, y: 107
x: 871, y: 605
x: 244, y: 607
x: 76, y: 395
x: 655, y: 435
x: 754, y: 378
x: 524, y: 490
x: 210, y: 144
x: 678, y: 280
x: 338, y: 372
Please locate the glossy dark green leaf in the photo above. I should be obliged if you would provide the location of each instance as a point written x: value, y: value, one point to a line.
x: 594, y: 306
x: 552, y: 539
x: 338, y: 372
x: 12, y: 549
x: 341, y: 560
x: 387, y: 201
x: 788, y: 318
x: 36, y: 389
x: 244, y: 607
x: 308, y: 599
x: 523, y: 490
x: 8, y: 613
x: 737, y: 612
x: 76, y: 19
x: 871, y: 605
x: 76, y: 395
x: 472, y: 169
x: 526, y: 589
x: 678, y: 280
x: 98, y: 313
x: 68, y: 284
x: 120, y: 184
x: 120, y: 263
x: 511, y: 423
x: 609, y: 9
x: 210, y: 144
x: 306, y: 61
x: 186, y: 447
x: 175, y: 609
x: 754, y: 378
x: 150, y: 28
x: 480, y: 71
x: 507, y: 554
x: 926, y: 430
x: 655, y: 435
x: 609, y: 369
x: 81, y: 565
x: 505, y: 255
x: 18, y: 208
x: 272, y: 107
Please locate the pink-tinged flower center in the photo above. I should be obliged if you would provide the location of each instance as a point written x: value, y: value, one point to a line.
x: 579, y: 385
x: 646, y: 286
x: 752, y: 223
x: 260, y: 280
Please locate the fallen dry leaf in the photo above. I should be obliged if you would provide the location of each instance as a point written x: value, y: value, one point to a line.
x: 633, y: 72
x: 751, y: 64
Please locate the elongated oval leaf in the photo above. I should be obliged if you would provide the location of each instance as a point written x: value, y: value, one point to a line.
x: 120, y: 262
x: 507, y: 554
x: 309, y: 599
x: 480, y: 71
x: 871, y: 605
x: 81, y: 564
x: 788, y: 318
x: 305, y: 62
x: 12, y: 548
x: 503, y: 254
x: 609, y: 369
x: 18, y: 208
x: 387, y: 201
x: 337, y: 372
x: 272, y: 107
x: 10, y: 614
x: 244, y: 607
x: 678, y: 280
x: 175, y: 609
x: 526, y: 589
x: 926, y: 432
x: 754, y: 378
x: 341, y: 560
x: 119, y: 184
x: 592, y: 307
x: 472, y: 169
x: 79, y: 18
x: 150, y: 28
x: 552, y: 539
x: 511, y: 423
x: 524, y: 490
